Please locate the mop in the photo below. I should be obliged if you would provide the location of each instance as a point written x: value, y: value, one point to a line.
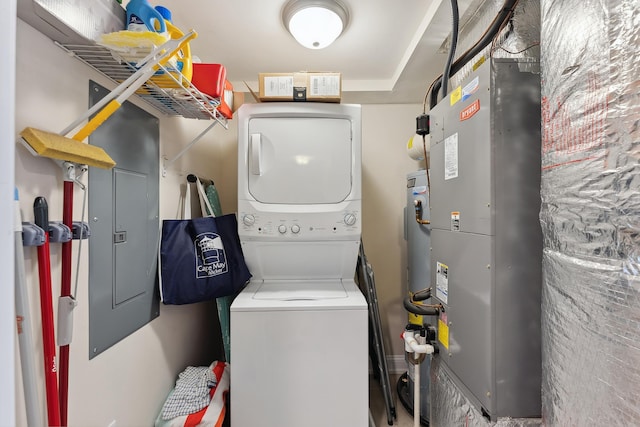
x: 74, y: 156
x: 25, y: 339
x: 41, y: 215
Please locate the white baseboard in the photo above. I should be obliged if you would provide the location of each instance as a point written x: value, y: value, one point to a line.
x: 395, y: 364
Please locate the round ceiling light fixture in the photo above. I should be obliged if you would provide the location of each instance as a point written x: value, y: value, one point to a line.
x: 315, y: 24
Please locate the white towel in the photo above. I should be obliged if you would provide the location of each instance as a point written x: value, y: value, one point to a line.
x: 191, y: 393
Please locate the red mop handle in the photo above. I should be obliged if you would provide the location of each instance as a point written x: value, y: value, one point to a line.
x: 40, y: 211
x: 65, y: 290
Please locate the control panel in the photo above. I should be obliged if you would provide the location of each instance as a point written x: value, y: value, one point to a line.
x: 304, y: 226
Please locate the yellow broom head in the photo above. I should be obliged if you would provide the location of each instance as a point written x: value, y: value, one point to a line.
x: 54, y: 146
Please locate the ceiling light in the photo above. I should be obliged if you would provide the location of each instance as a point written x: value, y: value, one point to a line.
x: 315, y: 24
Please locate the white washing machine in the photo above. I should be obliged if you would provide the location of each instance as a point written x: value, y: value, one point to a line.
x: 299, y: 343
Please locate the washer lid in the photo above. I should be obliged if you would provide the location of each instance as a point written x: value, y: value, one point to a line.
x: 300, y: 290
x: 299, y: 295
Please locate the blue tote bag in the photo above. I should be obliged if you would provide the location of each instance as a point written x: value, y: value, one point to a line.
x: 201, y: 259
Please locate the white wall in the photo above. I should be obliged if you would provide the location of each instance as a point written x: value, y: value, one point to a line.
x: 386, y: 130
x: 128, y: 382
x: 7, y: 135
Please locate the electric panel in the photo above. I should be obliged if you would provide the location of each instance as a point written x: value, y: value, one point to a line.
x: 486, y: 238
x: 124, y: 212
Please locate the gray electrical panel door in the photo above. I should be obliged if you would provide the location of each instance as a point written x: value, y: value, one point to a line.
x: 123, y: 216
x: 486, y: 237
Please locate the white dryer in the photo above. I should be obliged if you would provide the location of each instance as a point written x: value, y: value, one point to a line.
x: 299, y: 346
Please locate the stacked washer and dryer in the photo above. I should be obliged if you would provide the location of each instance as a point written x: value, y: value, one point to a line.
x: 299, y: 346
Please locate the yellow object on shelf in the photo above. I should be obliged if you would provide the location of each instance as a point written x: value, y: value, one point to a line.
x: 181, y: 65
x: 132, y: 46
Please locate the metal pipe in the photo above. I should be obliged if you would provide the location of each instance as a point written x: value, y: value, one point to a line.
x: 420, y: 309
x: 452, y: 49
x: 418, y: 208
x: 416, y: 394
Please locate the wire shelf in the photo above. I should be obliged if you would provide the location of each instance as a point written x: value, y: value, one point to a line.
x: 185, y: 101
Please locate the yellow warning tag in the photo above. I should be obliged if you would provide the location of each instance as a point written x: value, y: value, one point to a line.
x: 443, y: 333
x: 415, y: 319
x: 456, y: 95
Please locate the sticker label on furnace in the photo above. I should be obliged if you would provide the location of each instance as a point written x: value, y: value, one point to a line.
x: 451, y: 157
x: 470, y: 88
x: 442, y: 282
x: 455, y: 221
x: 470, y: 111
x: 456, y: 95
x: 443, y: 330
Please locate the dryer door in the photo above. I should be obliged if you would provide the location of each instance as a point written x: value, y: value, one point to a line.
x: 296, y: 160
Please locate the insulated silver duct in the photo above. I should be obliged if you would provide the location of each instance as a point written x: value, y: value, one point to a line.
x: 590, y: 212
x: 450, y: 407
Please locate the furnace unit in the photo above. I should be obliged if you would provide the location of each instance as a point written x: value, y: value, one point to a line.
x: 486, y: 238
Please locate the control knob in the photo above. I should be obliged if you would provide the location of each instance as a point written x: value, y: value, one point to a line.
x: 282, y: 228
x: 349, y: 219
x: 249, y: 220
x: 295, y: 228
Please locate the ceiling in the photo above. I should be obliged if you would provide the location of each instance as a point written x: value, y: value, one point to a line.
x: 390, y: 51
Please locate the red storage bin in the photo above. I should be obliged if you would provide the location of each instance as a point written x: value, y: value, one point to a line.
x: 209, y: 79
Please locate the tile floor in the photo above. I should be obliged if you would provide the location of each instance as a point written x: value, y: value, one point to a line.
x: 377, y: 406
